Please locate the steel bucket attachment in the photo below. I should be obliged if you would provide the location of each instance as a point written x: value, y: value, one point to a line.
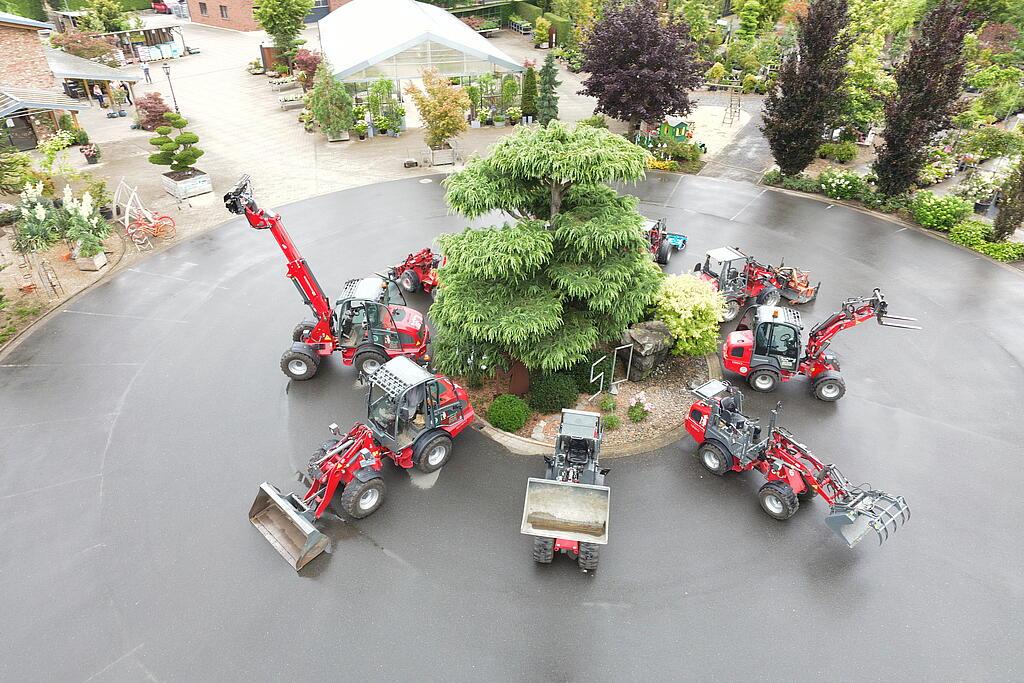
x: 558, y: 509
x: 866, y: 511
x: 283, y: 521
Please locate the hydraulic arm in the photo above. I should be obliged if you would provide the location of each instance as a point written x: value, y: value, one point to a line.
x: 854, y: 312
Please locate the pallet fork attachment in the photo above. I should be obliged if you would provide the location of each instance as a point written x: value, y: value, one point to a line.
x: 287, y: 524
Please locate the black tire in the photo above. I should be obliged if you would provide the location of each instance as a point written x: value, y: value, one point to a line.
x: 362, y: 498
x: 302, y: 330
x: 764, y: 380
x: 588, y: 557
x: 432, y: 454
x: 715, y: 460
x: 778, y: 500
x: 300, y: 365
x: 829, y: 389
x: 543, y: 549
x: 664, y: 253
x: 367, y: 361
x: 732, y: 310
x: 410, y: 281
x: 312, y: 471
x: 769, y: 296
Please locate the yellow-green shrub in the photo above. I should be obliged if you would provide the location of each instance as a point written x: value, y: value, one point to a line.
x: 691, y: 308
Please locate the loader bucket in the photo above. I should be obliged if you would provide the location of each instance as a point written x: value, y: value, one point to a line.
x: 575, y: 512
x: 867, y: 511
x: 280, y: 518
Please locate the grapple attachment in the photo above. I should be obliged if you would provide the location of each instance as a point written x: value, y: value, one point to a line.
x: 575, y: 512
x: 853, y: 516
x: 285, y: 522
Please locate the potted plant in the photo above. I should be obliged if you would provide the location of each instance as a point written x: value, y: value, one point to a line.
x: 81, y: 225
x: 180, y: 153
x: 361, y: 128
x: 978, y: 188
x: 714, y: 75
x: 443, y: 108
x: 515, y: 115
x: 473, y: 91
x: 255, y: 68
x: 101, y: 198
x: 330, y: 104
x: 499, y: 120
x: 91, y: 153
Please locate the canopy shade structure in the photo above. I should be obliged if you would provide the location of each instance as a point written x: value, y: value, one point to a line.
x: 23, y: 101
x: 368, y: 39
x: 64, y: 65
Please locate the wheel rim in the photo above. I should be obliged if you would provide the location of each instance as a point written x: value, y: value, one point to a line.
x: 829, y: 390
x: 437, y: 455
x: 731, y: 309
x: 773, y: 504
x: 764, y: 382
x: 711, y: 460
x: 369, y: 498
x: 407, y: 284
x: 370, y: 366
x: 297, y: 366
x: 773, y: 299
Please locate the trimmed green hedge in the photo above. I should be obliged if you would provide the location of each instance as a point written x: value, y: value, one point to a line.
x: 563, y: 27
x: 527, y: 11
x: 508, y: 412
x: 127, y: 5
x: 551, y: 393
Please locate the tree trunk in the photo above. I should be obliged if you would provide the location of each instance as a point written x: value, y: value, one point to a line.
x: 556, y: 198
x: 518, y: 379
x: 634, y: 128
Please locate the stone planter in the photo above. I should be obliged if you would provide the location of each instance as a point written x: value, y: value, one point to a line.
x: 442, y: 156
x: 185, y: 184
x: 91, y: 262
x: 499, y: 124
x: 92, y: 160
x: 475, y: 123
x: 341, y: 136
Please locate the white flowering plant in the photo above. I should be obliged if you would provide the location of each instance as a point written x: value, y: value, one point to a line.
x: 840, y: 184
x: 639, y: 407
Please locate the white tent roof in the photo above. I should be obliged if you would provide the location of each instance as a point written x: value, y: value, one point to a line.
x: 369, y: 39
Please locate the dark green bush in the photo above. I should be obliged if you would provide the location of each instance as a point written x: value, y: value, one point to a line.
x: 800, y: 183
x: 508, y: 412
x: 772, y: 177
x: 527, y: 11
x: 838, y: 151
x: 581, y: 373
x: 550, y: 393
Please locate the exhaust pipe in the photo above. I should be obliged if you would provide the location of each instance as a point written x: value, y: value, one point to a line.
x: 285, y: 522
x: 865, y: 511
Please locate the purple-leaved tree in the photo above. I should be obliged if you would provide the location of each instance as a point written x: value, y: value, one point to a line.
x: 641, y: 69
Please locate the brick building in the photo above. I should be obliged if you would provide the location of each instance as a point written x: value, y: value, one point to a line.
x: 22, y: 60
x: 237, y: 14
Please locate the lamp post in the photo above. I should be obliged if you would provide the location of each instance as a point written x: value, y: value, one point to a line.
x: 167, y: 71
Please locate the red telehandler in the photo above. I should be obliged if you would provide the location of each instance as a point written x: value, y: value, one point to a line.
x: 366, y: 326
x: 412, y: 417
x: 766, y: 346
x: 728, y: 441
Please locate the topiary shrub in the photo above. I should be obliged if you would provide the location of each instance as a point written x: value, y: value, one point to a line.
x: 691, y: 308
x: 508, y: 412
x: 939, y: 213
x: 551, y: 392
x: 179, y: 152
x: 839, y: 184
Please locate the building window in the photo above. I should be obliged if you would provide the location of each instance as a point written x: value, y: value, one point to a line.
x: 223, y: 11
x: 202, y: 9
x: 319, y: 4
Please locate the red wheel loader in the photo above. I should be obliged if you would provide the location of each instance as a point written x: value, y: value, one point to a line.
x: 567, y: 510
x: 729, y: 441
x: 767, y: 346
x: 418, y: 272
x: 412, y: 417
x: 740, y: 278
x: 366, y: 326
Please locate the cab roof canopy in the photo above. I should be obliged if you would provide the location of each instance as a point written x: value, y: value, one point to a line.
x: 723, y: 254
x: 365, y: 40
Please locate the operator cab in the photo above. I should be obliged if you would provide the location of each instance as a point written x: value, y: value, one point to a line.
x: 724, y: 268
x: 777, y: 335
x: 372, y: 310
x: 405, y: 399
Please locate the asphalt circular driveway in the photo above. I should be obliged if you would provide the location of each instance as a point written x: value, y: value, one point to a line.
x: 138, y: 422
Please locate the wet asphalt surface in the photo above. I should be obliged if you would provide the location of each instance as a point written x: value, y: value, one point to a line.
x: 138, y: 422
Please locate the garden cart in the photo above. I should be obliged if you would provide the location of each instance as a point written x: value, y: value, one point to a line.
x: 741, y: 278
x: 662, y: 242
x: 729, y: 441
x: 567, y: 510
x: 767, y: 346
x: 369, y: 323
x: 412, y: 417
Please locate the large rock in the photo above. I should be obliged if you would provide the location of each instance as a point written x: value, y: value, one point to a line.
x: 651, y: 342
